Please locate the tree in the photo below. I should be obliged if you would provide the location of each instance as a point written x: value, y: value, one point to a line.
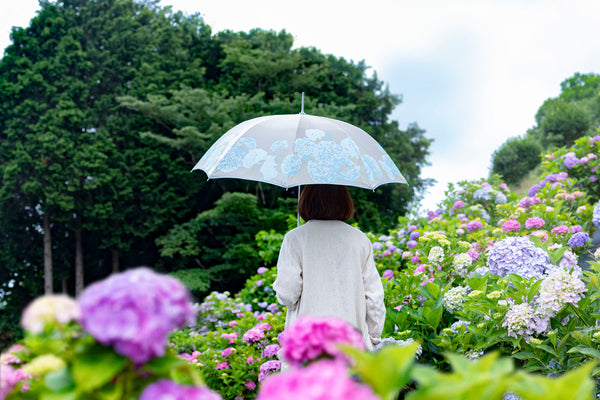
x: 515, y: 158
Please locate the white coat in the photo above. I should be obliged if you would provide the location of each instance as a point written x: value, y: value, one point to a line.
x: 326, y: 269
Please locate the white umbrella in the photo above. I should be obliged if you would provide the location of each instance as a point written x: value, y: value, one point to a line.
x: 300, y: 149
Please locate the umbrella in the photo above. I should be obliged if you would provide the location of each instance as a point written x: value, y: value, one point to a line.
x: 300, y: 149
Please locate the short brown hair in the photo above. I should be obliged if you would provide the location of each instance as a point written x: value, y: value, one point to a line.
x: 325, y: 202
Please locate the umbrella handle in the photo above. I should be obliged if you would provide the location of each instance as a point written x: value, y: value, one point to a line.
x: 299, y: 186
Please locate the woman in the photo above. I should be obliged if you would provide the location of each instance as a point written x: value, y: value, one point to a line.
x: 326, y: 268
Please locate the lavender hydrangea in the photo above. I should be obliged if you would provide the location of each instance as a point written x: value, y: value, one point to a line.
x: 134, y: 312
x: 578, y: 239
x: 167, y: 389
x: 267, y: 368
x: 533, y: 190
x: 518, y: 255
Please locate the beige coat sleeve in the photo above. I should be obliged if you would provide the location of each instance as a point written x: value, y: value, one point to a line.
x: 288, y: 285
x: 374, y: 298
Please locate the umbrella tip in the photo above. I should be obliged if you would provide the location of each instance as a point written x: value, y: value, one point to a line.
x: 302, y: 106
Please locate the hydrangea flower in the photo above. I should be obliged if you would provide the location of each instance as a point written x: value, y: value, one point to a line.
x: 559, y: 230
x: 483, y: 193
x: 267, y: 368
x: 578, y: 239
x: 311, y: 337
x: 454, y: 298
x: 458, y: 204
x: 559, y: 289
x: 521, y: 320
x: 377, y: 246
x: 167, y: 389
x: 134, y: 311
x: 414, y: 235
x: 411, y: 244
x: 270, y: 350
x: 462, y: 262
x: 518, y: 255
x: 388, y: 273
x: 534, y: 222
x: 511, y: 226
x: 570, y: 161
x: 436, y: 255
x: 261, y: 270
x: 322, y: 380
x: 8, y: 380
x: 49, y: 309
x: 253, y: 335
x: 533, y: 190
x: 474, y: 225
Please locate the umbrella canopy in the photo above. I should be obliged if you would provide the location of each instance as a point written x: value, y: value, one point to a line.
x: 300, y: 149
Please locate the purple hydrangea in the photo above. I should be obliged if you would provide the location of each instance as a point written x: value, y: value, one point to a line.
x: 411, y: 244
x: 270, y: 351
x: 414, y: 235
x: 518, y: 255
x: 570, y: 161
x: 261, y: 270
x: 267, y: 368
x: 167, y: 389
x: 578, y: 239
x: 377, y: 246
x: 474, y: 225
x: 533, y: 190
x: 134, y: 311
x: 388, y: 273
x: 322, y: 380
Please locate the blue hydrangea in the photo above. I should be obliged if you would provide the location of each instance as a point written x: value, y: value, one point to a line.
x: 533, y: 190
x: 518, y: 255
x: 578, y: 239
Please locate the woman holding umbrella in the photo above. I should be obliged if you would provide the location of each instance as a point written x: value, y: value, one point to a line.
x: 326, y: 267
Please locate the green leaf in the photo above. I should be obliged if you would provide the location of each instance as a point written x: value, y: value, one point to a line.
x: 163, y: 365
x: 386, y: 371
x: 523, y: 355
x: 59, y: 380
x: 96, y: 368
x: 533, y: 290
x: 547, y: 349
x: 588, y: 351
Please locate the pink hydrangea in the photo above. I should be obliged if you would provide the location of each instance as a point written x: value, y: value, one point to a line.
x: 388, y: 273
x: 309, y: 338
x: 227, y: 351
x: 250, y: 385
x: 253, y: 335
x: 543, y: 235
x: 223, y: 365
x: 560, y: 230
x: 534, y: 222
x: 458, y: 204
x: 322, y: 380
x: 511, y: 226
x: 575, y: 229
x: 8, y: 380
x: 231, y: 337
x: 474, y: 254
x: 167, y: 389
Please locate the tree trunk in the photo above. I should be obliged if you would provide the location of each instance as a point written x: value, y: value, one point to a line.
x: 115, y: 261
x: 48, y: 279
x: 78, y: 264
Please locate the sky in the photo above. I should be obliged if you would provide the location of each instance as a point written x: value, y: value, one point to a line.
x: 471, y: 73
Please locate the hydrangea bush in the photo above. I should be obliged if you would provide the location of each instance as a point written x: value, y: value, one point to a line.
x: 111, y: 343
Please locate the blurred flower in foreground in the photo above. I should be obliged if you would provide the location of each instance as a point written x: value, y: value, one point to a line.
x: 165, y: 389
x: 60, y: 309
x: 325, y: 379
x: 134, y: 311
x: 310, y: 337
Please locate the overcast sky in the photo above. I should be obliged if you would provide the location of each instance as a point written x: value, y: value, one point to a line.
x: 472, y: 73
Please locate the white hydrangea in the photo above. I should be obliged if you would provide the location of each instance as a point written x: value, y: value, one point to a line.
x: 454, y: 298
x: 436, y: 255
